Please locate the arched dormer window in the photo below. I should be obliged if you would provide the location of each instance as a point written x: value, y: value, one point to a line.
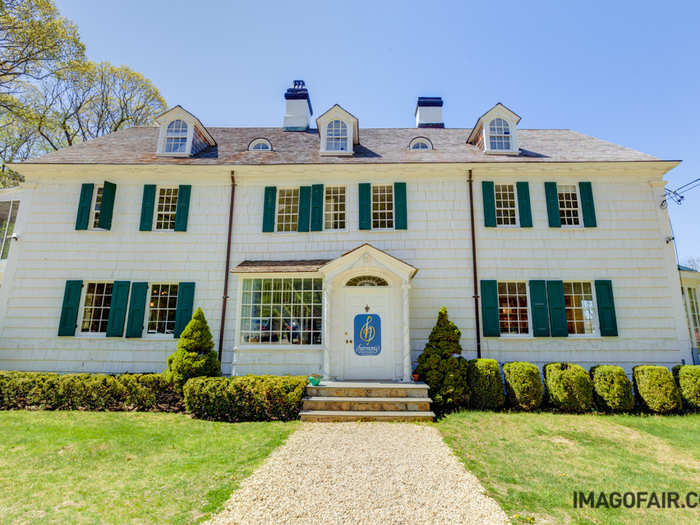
x: 337, y: 136
x: 176, y: 137
x: 420, y: 144
x: 499, y: 135
x: 260, y: 145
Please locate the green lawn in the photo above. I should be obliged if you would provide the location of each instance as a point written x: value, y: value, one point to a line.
x: 532, y: 463
x: 100, y: 467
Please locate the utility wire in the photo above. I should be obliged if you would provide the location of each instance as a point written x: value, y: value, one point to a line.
x: 678, y: 195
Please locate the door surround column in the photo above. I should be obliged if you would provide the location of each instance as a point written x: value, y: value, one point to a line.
x: 406, y: 331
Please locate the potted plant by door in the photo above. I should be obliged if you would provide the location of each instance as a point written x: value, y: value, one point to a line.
x: 315, y: 379
x: 416, y: 377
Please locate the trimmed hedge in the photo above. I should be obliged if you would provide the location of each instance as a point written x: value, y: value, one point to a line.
x: 688, y: 381
x: 523, y: 385
x: 245, y: 398
x: 569, y: 388
x: 50, y: 391
x: 484, y: 380
x: 656, y: 390
x: 612, y: 389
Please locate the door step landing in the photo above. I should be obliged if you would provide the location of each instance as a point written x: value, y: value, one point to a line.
x: 367, y: 401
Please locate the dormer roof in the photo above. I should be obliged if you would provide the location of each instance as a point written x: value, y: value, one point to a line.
x: 499, y: 110
x: 337, y: 112
x: 178, y: 112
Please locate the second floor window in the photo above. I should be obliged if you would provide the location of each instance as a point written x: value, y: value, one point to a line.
x: 166, y: 209
x: 176, y: 137
x: 334, y: 208
x: 337, y: 136
x: 288, y: 210
x: 96, y: 207
x: 8, y: 217
x: 505, y: 205
x: 382, y: 206
x: 568, y: 205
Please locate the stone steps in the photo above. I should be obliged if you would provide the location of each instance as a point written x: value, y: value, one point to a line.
x: 367, y: 401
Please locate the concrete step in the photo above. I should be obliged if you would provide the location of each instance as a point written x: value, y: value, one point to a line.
x: 325, y: 416
x: 371, y: 404
x: 367, y: 389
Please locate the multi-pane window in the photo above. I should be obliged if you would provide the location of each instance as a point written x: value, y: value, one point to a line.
x: 98, y: 299
x: 288, y: 210
x: 8, y: 217
x: 568, y: 205
x: 512, y: 308
x: 337, y: 136
x: 499, y: 135
x: 166, y: 209
x: 96, y: 207
x: 693, y: 311
x: 382, y: 206
x: 578, y: 299
x: 282, y: 311
x: 162, y: 308
x: 176, y: 137
x: 334, y: 208
x: 505, y: 205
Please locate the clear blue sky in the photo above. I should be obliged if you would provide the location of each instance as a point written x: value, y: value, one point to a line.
x: 627, y: 72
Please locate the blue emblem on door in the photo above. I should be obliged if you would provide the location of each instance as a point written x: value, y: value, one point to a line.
x: 368, y: 334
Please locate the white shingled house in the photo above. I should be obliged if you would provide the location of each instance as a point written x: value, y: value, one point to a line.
x: 325, y: 247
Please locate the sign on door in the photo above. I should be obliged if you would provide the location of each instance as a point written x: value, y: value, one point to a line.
x: 368, y: 334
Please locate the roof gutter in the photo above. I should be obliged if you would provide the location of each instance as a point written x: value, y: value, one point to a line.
x: 224, y: 298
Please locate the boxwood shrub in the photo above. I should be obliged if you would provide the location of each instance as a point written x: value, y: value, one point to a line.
x: 484, y: 380
x: 569, y: 387
x: 245, y: 398
x: 50, y: 391
x: 655, y: 389
x: 523, y: 385
x: 688, y: 381
x: 612, y: 389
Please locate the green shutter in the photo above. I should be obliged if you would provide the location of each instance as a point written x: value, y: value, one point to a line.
x: 550, y: 190
x: 587, y: 205
x: 489, y: 195
x: 137, y: 310
x: 557, y: 308
x: 400, y: 209
x: 524, y: 210
x: 539, y: 308
x: 304, y: 219
x: 84, y: 205
x: 109, y: 191
x: 365, y: 203
x: 148, y: 204
x: 69, y: 310
x: 317, y: 207
x: 606, y: 308
x: 269, y: 211
x: 183, y: 207
x: 489, y: 307
x: 183, y: 313
x: 117, y: 308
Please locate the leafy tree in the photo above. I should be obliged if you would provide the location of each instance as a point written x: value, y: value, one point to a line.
x: 443, y: 369
x: 195, y: 354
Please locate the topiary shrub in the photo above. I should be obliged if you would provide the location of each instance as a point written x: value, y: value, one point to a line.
x: 485, y: 384
x: 444, y: 372
x: 688, y: 381
x: 523, y: 385
x: 569, y: 388
x: 655, y: 389
x: 195, y: 356
x: 612, y: 389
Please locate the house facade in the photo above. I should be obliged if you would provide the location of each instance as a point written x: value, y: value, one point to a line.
x: 325, y: 247
x: 690, y: 290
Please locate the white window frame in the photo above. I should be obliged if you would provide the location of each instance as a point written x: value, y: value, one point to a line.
x: 515, y: 197
x: 277, y: 208
x: 155, y: 208
x: 693, y: 320
x: 349, y: 144
x: 93, y: 208
x: 278, y: 345
x: 420, y: 140
x: 528, y: 310
x: 393, y: 207
x: 578, y: 206
x: 81, y: 316
x: 145, y: 334
x: 258, y: 142
x: 182, y: 135
x: 486, y: 136
x: 6, y: 240
x: 594, y: 300
x: 345, y: 205
x: 506, y: 132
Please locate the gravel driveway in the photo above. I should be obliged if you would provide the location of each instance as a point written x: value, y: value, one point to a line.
x: 339, y: 473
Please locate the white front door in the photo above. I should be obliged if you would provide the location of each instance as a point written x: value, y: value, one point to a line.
x: 368, y: 333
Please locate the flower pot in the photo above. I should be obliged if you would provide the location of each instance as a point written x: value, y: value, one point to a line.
x: 416, y: 378
x: 314, y: 380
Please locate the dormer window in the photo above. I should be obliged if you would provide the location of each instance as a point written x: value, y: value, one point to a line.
x: 176, y: 137
x: 337, y: 136
x: 499, y: 135
x: 420, y: 144
x: 260, y: 145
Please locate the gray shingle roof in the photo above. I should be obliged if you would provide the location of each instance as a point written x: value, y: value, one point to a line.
x: 377, y: 145
x: 311, y: 265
